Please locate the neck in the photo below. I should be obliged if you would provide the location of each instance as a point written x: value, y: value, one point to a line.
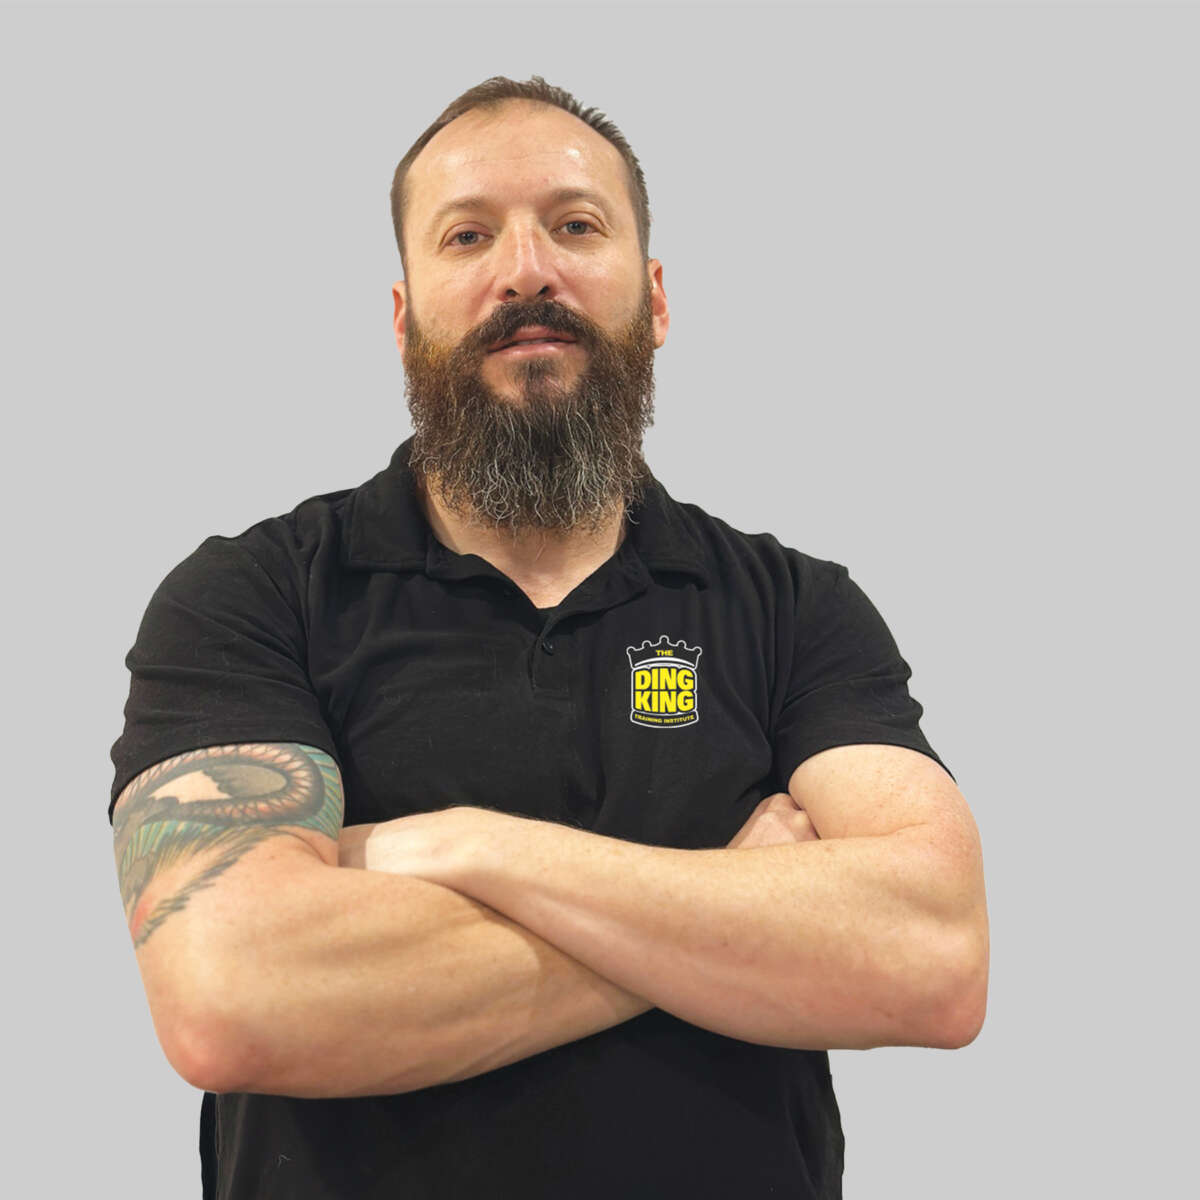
x: 548, y: 563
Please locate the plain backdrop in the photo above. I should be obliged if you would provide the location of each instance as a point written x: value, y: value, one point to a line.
x: 933, y: 276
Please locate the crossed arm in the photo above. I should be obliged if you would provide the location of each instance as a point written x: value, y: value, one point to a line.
x: 480, y: 938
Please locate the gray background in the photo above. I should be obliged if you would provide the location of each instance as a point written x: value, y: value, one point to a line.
x: 933, y: 282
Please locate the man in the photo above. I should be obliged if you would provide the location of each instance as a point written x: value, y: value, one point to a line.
x: 643, y: 816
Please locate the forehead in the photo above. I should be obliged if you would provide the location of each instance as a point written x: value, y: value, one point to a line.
x: 510, y: 155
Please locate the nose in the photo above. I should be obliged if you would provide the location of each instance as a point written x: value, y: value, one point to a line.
x: 526, y: 266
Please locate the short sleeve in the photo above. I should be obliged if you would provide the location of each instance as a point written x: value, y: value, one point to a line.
x: 220, y: 658
x: 848, y: 683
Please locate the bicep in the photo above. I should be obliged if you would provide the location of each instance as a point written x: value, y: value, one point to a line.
x: 870, y: 790
x: 878, y: 790
x: 181, y: 825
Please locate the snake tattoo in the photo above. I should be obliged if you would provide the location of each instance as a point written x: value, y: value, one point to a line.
x: 210, y: 806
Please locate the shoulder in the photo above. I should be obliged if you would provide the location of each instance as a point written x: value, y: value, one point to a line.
x: 280, y: 550
x: 313, y: 527
x: 759, y: 561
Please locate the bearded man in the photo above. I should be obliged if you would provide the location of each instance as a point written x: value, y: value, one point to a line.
x: 504, y: 826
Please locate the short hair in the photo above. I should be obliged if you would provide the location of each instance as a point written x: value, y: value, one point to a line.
x: 491, y: 95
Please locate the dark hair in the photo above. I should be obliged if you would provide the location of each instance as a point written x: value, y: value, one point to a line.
x: 491, y: 95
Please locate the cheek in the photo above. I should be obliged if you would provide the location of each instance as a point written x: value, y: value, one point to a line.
x: 449, y: 305
x: 608, y: 305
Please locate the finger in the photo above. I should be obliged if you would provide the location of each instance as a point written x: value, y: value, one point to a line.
x: 802, y: 827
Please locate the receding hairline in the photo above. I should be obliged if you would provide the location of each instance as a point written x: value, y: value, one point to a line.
x: 491, y: 111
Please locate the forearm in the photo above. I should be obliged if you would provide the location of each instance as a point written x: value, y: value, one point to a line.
x: 839, y: 943
x: 365, y: 983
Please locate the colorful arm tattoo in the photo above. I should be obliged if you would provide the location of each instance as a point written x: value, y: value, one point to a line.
x: 207, y: 808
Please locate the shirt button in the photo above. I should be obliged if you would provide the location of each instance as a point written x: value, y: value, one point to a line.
x: 548, y: 645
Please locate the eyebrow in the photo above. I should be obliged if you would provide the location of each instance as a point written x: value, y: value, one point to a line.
x: 561, y: 196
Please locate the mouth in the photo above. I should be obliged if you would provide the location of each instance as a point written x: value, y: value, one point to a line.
x: 532, y: 349
x: 533, y: 340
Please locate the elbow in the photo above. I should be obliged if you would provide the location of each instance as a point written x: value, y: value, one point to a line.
x: 210, y: 1052
x: 963, y: 1004
x: 214, y: 990
x: 961, y: 1022
x: 198, y: 1014
x: 192, y: 1056
x: 975, y: 1006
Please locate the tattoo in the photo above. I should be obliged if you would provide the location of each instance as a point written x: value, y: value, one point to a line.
x: 206, y: 809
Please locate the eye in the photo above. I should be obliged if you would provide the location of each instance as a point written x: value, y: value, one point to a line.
x: 474, y: 233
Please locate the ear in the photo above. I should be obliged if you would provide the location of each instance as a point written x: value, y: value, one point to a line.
x: 400, y: 295
x: 658, y: 302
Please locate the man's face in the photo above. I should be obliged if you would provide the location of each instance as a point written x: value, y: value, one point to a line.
x: 545, y: 436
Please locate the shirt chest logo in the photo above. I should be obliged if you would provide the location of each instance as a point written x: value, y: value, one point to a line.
x: 664, y: 683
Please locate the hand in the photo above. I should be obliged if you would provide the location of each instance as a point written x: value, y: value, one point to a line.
x: 777, y: 821
x: 352, y: 845
x: 430, y: 845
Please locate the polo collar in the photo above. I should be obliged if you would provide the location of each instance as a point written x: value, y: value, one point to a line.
x: 386, y: 529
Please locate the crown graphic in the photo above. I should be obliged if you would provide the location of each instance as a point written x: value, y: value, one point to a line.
x: 664, y: 648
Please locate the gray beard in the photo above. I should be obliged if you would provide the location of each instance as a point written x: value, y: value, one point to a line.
x: 553, y: 463
x: 556, y: 458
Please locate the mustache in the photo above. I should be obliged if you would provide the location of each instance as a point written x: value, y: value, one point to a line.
x: 509, y: 318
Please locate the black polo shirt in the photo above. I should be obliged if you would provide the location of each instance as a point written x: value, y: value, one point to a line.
x: 673, y: 689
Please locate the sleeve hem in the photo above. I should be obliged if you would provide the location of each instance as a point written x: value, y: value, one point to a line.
x: 789, y: 757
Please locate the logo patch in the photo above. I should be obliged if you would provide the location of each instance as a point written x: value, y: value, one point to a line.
x: 663, y: 683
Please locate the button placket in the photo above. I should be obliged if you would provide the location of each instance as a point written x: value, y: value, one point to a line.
x: 549, y: 668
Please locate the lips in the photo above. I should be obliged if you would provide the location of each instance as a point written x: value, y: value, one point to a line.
x: 531, y: 333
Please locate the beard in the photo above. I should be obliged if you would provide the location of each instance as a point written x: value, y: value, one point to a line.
x: 557, y: 457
